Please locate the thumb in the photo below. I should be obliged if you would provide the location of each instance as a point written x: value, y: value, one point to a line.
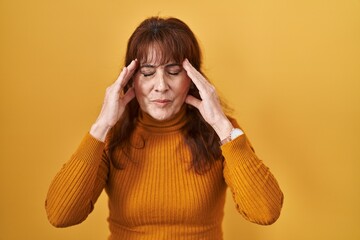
x: 129, y: 95
x: 193, y: 101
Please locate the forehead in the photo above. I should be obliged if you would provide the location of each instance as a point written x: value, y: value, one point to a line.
x: 156, y: 56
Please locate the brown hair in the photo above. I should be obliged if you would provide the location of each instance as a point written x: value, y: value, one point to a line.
x: 174, y: 41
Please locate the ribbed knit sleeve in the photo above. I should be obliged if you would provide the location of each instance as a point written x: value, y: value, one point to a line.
x: 75, y: 189
x: 256, y: 192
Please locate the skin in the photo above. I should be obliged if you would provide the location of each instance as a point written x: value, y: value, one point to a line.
x: 161, y: 90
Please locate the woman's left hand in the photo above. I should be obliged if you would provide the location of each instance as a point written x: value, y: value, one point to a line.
x: 209, y: 105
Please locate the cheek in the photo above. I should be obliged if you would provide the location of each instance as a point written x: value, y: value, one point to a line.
x: 184, y: 87
x: 139, y: 87
x: 140, y: 94
x: 136, y: 85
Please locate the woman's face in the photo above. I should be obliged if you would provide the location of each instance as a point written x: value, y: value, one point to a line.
x: 161, y: 89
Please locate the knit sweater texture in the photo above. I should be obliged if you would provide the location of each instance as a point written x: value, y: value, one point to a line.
x: 157, y: 195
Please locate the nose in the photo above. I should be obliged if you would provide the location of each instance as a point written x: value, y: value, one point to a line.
x: 161, y: 84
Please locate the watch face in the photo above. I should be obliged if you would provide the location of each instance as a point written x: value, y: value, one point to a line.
x: 235, y: 133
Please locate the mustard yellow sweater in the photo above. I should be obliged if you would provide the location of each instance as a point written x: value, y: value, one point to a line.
x: 157, y: 195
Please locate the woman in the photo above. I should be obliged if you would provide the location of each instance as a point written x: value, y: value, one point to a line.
x: 163, y: 149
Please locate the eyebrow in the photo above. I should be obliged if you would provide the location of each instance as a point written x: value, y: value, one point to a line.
x: 153, y: 66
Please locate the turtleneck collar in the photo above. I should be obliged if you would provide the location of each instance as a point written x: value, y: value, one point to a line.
x: 148, y: 123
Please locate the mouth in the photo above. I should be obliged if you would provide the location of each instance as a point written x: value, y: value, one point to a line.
x: 161, y: 102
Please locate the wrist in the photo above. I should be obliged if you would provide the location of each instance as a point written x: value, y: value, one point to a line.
x: 99, y: 131
x: 235, y: 132
x: 223, y: 128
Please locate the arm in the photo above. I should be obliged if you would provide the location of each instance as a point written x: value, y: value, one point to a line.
x: 75, y: 189
x: 77, y: 186
x: 256, y: 192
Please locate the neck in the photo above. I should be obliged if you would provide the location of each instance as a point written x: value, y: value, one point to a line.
x: 148, y: 123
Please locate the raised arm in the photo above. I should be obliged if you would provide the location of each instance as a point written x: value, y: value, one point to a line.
x: 75, y: 189
x: 255, y: 190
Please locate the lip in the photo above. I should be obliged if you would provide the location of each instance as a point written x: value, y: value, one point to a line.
x: 161, y: 102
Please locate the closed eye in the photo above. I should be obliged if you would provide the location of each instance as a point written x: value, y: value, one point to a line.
x: 173, y: 69
x: 174, y: 73
x: 147, y: 71
x: 148, y: 74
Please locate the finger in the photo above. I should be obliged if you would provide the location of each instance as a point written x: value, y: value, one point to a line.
x: 197, y: 78
x: 121, y: 76
x: 130, y: 70
x: 193, y: 101
x: 126, y: 74
x: 205, y: 88
x: 129, y: 95
x: 133, y: 65
x: 193, y: 71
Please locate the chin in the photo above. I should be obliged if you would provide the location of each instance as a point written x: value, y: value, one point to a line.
x: 161, y: 115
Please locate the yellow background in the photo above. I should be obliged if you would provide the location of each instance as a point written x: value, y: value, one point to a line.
x: 290, y: 69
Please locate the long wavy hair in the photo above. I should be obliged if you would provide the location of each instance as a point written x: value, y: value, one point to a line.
x: 173, y: 41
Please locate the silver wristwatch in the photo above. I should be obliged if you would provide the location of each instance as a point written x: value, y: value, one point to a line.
x: 235, y: 132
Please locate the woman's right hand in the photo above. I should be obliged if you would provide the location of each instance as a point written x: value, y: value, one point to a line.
x: 114, y: 103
